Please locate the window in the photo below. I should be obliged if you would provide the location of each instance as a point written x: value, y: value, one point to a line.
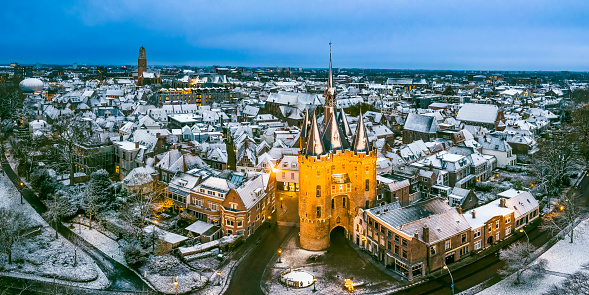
x: 404, y: 253
x: 214, y: 206
x: 318, y: 193
x: 292, y: 176
x: 397, y: 249
x: 490, y: 228
x: 404, y: 243
x: 463, y: 237
x: 497, y: 224
x: 507, y: 231
x: 477, y: 233
x: 448, y: 244
x: 397, y: 239
x: 229, y: 221
x: 389, y: 245
x: 318, y: 211
x: 367, y: 188
x: 463, y: 251
x: 477, y: 245
x: 240, y: 222
x: 497, y: 237
x: 233, y: 206
x: 332, y: 203
x: 432, y: 250
x: 507, y: 219
x: 344, y: 202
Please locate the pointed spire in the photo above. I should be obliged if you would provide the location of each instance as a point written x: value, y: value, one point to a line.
x: 329, y: 93
x: 360, y: 142
x: 314, y: 143
x: 343, y: 121
x: 333, y: 138
x: 304, y: 129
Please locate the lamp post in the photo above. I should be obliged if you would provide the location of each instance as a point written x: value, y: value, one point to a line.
x: 21, y: 199
x: 523, y: 231
x: 451, y: 278
x: 314, y: 284
x: 80, y: 223
x: 219, y: 276
x: 279, y: 255
x: 153, y: 236
x: 176, y: 284
x: 280, y: 202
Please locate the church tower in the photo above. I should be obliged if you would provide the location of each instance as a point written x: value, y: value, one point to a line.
x: 337, y: 173
x: 141, y: 66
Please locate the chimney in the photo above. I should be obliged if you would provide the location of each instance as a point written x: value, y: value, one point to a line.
x: 137, y: 145
x: 459, y: 208
x: 502, y: 202
x: 416, y: 235
x: 474, y: 214
x: 121, y: 137
x: 157, y: 135
x: 426, y: 234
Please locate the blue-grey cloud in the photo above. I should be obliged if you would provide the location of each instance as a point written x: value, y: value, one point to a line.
x: 418, y: 34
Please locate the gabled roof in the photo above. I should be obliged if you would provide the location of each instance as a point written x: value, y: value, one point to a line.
x: 421, y: 123
x: 481, y: 113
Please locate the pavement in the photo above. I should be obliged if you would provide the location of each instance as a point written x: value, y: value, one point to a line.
x: 248, y: 274
x: 121, y: 278
x: 486, y: 268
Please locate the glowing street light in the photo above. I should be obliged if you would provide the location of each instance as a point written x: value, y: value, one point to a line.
x: 219, y: 276
x: 451, y: 278
x: 314, y: 284
x: 176, y: 284
x: 349, y: 284
x: 279, y: 255
x: 523, y: 231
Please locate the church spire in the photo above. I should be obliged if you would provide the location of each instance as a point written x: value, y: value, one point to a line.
x: 343, y: 121
x: 305, y: 129
x: 360, y: 142
x: 333, y: 138
x: 329, y: 93
x: 314, y: 143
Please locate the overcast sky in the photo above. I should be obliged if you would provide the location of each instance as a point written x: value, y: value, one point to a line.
x: 395, y: 34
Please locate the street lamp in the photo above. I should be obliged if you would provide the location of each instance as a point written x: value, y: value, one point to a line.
x: 451, y: 278
x: 176, y: 284
x: 80, y: 223
x: 279, y: 255
x: 314, y: 284
x: 561, y: 208
x: 21, y: 200
x: 219, y: 276
x: 280, y: 202
x: 523, y: 231
x: 153, y: 236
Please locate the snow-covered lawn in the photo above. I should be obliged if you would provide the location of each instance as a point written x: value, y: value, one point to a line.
x: 45, y: 257
x: 42, y: 257
x: 105, y: 244
x: 563, y: 258
x: 161, y: 271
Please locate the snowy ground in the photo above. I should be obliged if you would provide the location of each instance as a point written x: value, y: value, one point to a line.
x: 563, y: 259
x: 161, y: 271
x: 330, y: 274
x: 104, y: 243
x: 11, y: 160
x: 42, y: 257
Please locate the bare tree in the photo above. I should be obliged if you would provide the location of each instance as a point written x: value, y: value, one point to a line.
x: 516, y: 257
x: 91, y: 205
x: 13, y: 226
x: 56, y: 209
x: 576, y: 284
x: 554, y: 162
x: 71, y: 131
x: 563, y: 219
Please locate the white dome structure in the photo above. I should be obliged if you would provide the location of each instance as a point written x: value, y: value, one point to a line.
x: 31, y: 85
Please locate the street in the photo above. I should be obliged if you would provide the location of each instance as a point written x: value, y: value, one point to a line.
x: 486, y: 268
x: 248, y: 274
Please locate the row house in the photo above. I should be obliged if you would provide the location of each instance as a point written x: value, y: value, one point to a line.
x: 414, y: 240
x: 175, y: 161
x: 526, y: 207
x: 247, y: 207
x: 491, y: 223
x: 239, y: 208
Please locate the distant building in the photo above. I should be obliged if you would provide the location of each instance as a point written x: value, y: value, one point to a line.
x: 199, y: 96
x: 141, y: 66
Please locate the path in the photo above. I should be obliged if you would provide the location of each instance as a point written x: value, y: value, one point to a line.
x: 121, y: 278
